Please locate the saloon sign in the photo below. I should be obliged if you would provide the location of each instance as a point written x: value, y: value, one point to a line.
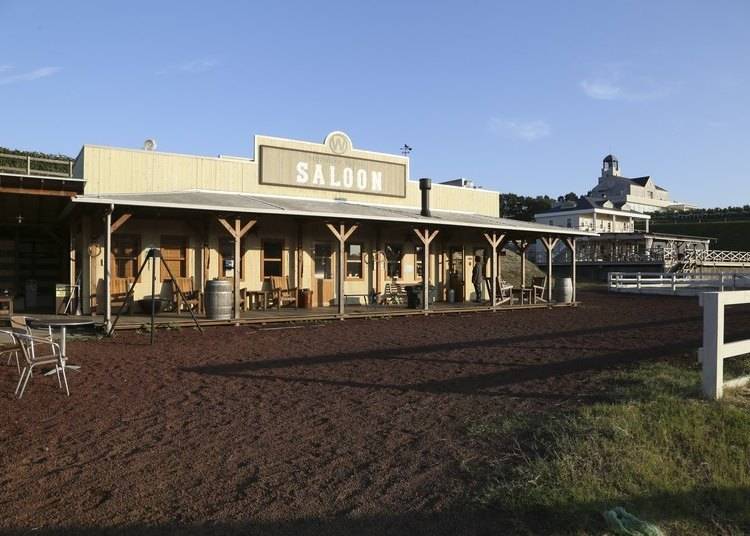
x: 336, y: 166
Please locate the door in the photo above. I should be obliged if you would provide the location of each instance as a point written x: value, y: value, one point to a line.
x: 456, y: 272
x: 323, y: 273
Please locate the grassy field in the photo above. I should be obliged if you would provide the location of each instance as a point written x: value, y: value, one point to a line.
x: 730, y: 235
x: 653, y: 446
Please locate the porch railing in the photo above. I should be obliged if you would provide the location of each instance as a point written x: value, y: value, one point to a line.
x: 31, y: 165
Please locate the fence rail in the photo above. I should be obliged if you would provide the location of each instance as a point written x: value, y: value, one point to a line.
x: 29, y: 165
x: 715, y: 350
x: 676, y: 283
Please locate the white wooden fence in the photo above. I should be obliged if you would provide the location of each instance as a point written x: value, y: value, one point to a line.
x: 715, y: 350
x: 676, y: 283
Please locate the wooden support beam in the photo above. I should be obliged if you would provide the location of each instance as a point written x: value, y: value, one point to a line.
x: 426, y: 237
x: 495, y: 241
x: 341, y: 234
x: 107, y: 270
x: 549, y: 243
x: 37, y: 192
x: 237, y: 231
x: 119, y: 222
x: 522, y: 245
x: 571, y: 243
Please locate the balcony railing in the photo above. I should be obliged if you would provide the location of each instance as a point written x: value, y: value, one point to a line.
x: 33, y: 166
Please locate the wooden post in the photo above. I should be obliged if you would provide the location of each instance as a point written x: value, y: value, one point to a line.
x: 426, y: 238
x: 107, y: 268
x: 342, y: 235
x: 495, y: 240
x: 237, y: 232
x: 522, y: 245
x: 571, y: 243
x: 549, y: 244
x: 299, y: 258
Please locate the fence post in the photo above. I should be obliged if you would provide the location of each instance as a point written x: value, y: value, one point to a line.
x: 674, y: 282
x: 713, y: 337
x: 638, y: 280
x: 28, y: 165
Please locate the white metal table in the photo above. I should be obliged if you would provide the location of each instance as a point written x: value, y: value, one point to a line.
x: 62, y: 324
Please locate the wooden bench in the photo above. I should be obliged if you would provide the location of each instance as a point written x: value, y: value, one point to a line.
x: 394, y: 293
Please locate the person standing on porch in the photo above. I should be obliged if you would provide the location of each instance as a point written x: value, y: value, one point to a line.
x: 477, y: 278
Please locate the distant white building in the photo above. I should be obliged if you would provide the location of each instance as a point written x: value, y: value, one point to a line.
x: 637, y: 194
x: 591, y: 214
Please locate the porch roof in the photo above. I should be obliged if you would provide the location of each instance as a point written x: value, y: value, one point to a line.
x: 226, y: 202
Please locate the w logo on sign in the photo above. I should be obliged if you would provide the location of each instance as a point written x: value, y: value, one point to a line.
x: 338, y: 142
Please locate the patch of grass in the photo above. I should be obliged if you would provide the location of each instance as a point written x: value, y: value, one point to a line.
x: 656, y: 448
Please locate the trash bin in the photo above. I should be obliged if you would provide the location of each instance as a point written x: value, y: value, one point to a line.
x: 219, y: 296
x: 414, y: 294
x: 306, y: 298
x: 412, y: 297
x: 562, y: 292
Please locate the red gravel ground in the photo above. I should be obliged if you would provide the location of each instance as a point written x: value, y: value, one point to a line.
x: 338, y: 428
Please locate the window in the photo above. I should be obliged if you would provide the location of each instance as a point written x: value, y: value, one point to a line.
x: 570, y: 223
x: 125, y: 250
x: 174, y: 253
x: 393, y: 255
x: 354, y: 261
x: 418, y: 260
x: 322, y: 261
x: 226, y: 257
x: 272, y: 264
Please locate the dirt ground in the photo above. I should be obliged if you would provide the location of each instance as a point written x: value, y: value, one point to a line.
x: 337, y: 428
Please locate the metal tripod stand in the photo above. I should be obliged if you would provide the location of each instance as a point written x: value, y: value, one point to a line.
x: 152, y: 254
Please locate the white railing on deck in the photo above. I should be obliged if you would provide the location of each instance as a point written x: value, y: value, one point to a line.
x: 645, y: 281
x: 715, y: 350
x: 29, y: 165
x: 718, y: 256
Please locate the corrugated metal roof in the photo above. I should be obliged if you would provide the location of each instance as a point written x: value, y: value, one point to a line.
x: 293, y: 206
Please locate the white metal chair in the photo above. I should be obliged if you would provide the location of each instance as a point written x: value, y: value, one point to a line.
x: 33, y: 359
x: 10, y: 345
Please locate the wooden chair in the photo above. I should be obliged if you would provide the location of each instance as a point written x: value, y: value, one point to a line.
x: 503, y: 290
x: 283, y: 294
x: 118, y: 289
x: 193, y: 296
x: 394, y: 293
x: 538, y: 284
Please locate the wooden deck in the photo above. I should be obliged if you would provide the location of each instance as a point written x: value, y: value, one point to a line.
x: 317, y: 314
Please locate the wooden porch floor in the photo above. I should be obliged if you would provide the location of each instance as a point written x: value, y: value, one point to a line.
x: 292, y: 315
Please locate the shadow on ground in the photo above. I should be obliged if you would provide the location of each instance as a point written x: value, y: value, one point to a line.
x: 690, y: 510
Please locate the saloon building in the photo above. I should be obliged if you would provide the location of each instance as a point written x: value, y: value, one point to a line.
x: 328, y: 217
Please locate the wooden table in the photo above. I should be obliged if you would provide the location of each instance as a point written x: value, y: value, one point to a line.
x: 525, y: 295
x: 254, y: 296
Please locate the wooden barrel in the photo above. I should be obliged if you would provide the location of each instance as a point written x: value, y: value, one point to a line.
x: 562, y: 292
x: 219, y: 299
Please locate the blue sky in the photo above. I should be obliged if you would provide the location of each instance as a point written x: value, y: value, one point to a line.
x: 525, y: 97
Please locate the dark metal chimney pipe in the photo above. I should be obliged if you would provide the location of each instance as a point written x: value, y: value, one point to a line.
x: 425, y: 185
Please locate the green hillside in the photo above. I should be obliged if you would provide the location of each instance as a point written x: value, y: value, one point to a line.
x: 729, y: 235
